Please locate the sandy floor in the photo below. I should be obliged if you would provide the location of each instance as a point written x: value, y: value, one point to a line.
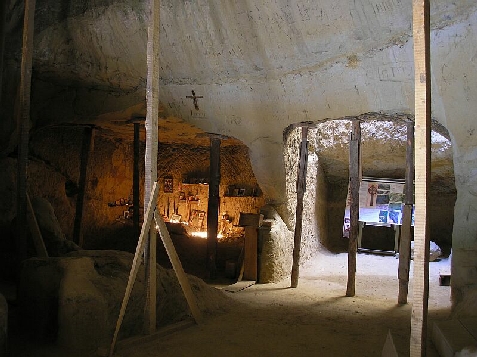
x: 315, y: 319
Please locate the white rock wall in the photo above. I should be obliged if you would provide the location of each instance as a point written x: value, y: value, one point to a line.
x: 265, y: 64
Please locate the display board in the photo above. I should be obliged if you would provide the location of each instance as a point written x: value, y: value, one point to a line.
x: 381, y: 202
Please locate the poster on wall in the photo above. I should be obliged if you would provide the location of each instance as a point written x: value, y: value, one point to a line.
x: 381, y: 202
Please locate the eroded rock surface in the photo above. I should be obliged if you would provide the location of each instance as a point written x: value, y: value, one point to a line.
x: 75, y: 300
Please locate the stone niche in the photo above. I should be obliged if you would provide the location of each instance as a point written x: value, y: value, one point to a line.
x: 383, y: 146
x: 107, y: 218
x: 54, y: 171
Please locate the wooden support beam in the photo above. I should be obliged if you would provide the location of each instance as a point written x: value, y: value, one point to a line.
x: 354, y: 179
x: 146, y: 225
x: 177, y: 266
x: 152, y: 114
x: 35, y: 231
x: 422, y: 104
x: 250, y: 262
x: 300, y: 193
x: 213, y: 206
x: 3, y: 15
x: 405, y: 243
x: 136, y: 170
x: 86, y: 149
x: 24, y: 125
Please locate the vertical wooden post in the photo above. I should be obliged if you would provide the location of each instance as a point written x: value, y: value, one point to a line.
x: 213, y: 206
x: 152, y: 99
x: 136, y: 181
x: 354, y: 178
x: 422, y: 87
x: 3, y: 15
x: 24, y: 125
x: 86, y: 149
x: 405, y: 243
x: 300, y: 193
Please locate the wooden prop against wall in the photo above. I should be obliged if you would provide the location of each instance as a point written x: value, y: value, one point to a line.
x: 136, y: 170
x: 405, y: 243
x: 422, y: 87
x: 300, y: 192
x: 354, y: 178
x: 152, y: 103
x: 177, y: 266
x: 173, y: 257
x: 35, y: 231
x: 150, y: 208
x: 24, y: 126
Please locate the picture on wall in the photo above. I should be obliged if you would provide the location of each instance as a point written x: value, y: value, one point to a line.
x: 381, y: 202
x: 168, y: 184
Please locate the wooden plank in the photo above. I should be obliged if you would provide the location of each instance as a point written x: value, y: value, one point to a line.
x: 213, y: 206
x: 422, y: 81
x: 177, y: 266
x: 250, y: 266
x: 300, y: 192
x: 150, y: 208
x: 24, y: 126
x: 405, y: 243
x: 136, y: 170
x: 152, y: 114
x: 404, y: 255
x: 137, y: 341
x: 360, y: 233
x: 35, y: 231
x: 3, y: 15
x: 86, y: 149
x: 354, y: 178
x: 389, y: 350
x: 396, y: 238
x: 239, y: 286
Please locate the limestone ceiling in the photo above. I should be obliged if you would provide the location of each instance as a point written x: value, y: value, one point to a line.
x: 383, y: 149
x: 260, y: 66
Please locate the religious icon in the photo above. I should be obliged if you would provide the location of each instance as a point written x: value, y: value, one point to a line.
x: 168, y: 184
x: 195, y: 99
x: 372, y: 190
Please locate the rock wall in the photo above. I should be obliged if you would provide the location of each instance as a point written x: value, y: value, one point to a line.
x: 55, y: 164
x: 260, y: 66
x: 276, y: 248
x: 75, y: 301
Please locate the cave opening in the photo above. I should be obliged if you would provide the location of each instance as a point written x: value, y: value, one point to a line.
x: 383, y: 155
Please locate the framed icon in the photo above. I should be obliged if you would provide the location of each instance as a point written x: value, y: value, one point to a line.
x: 168, y: 184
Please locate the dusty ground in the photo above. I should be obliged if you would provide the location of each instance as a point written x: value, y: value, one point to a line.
x: 315, y: 319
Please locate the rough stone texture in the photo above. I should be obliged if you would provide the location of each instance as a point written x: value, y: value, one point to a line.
x: 75, y: 301
x: 383, y: 156
x: 314, y: 229
x: 55, y: 240
x: 3, y: 326
x: 277, y: 248
x: 109, y: 179
x: 260, y: 66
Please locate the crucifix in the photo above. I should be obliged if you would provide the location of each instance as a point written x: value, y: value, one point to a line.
x: 195, y: 99
x: 372, y: 190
